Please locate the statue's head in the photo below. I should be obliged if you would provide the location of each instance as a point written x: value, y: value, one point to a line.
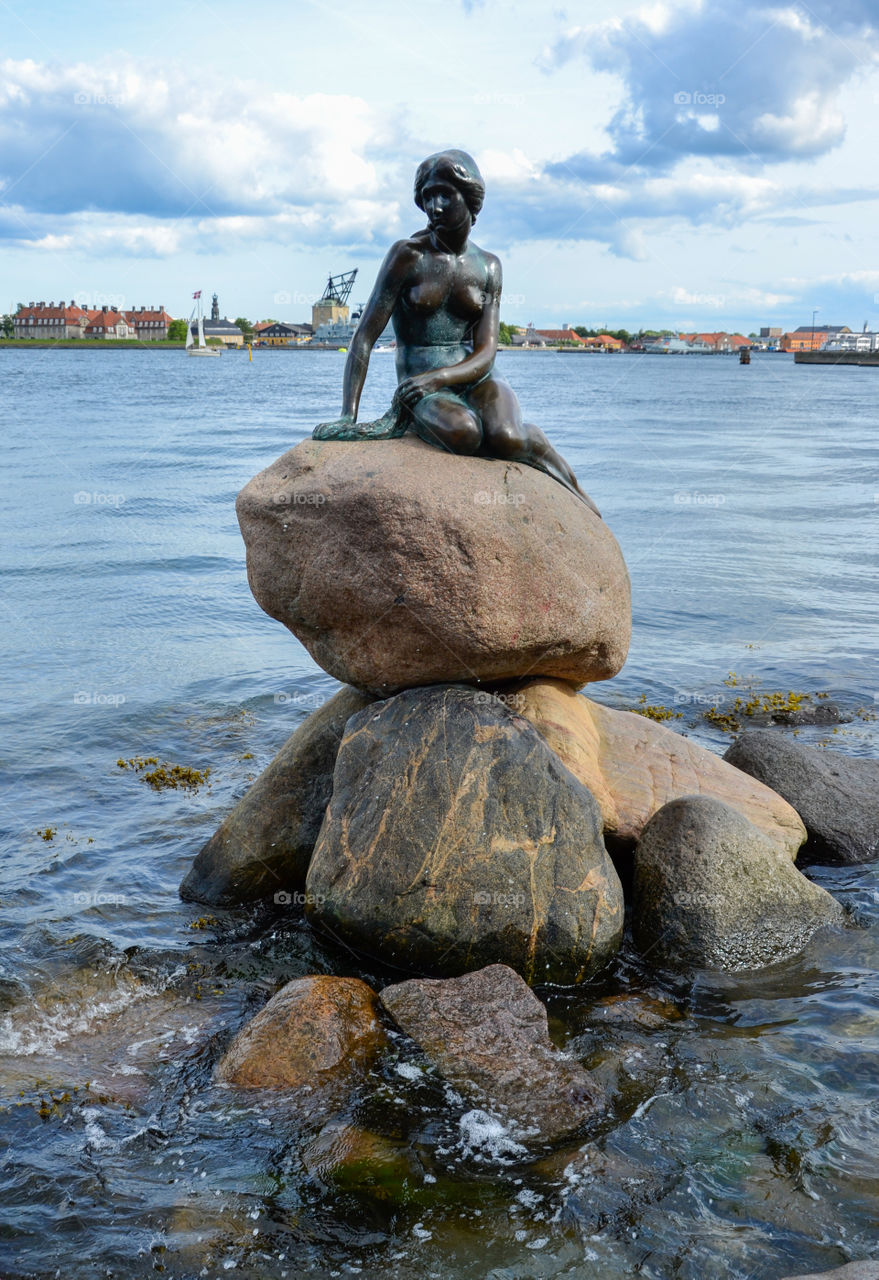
x: 457, y: 168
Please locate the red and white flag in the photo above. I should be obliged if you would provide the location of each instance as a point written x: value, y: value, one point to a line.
x: 197, y: 295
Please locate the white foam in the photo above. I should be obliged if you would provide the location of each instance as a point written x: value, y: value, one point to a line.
x: 485, y: 1136
x: 408, y: 1071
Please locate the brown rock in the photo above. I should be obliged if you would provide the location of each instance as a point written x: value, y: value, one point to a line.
x: 486, y: 1033
x: 264, y: 846
x: 399, y: 565
x: 455, y: 838
x: 634, y: 766
x: 319, y: 1032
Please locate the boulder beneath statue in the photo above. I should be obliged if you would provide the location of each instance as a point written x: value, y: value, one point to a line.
x: 836, y: 796
x: 487, y: 1035
x: 634, y: 766
x: 397, y: 564
x: 456, y: 838
x: 711, y: 890
x: 264, y: 845
x: 318, y: 1033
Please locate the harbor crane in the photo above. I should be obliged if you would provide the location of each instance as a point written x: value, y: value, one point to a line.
x: 338, y: 288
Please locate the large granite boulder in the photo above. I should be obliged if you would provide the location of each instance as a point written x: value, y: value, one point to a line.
x: 634, y: 766
x: 836, y: 796
x: 318, y: 1032
x: 455, y: 838
x: 710, y: 889
x: 264, y: 845
x: 487, y: 1034
x: 397, y: 565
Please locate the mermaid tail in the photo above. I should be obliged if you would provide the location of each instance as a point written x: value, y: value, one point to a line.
x: 388, y: 427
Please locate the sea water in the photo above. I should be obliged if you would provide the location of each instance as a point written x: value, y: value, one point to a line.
x: 743, y: 1137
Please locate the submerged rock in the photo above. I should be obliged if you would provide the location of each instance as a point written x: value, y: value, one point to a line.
x: 398, y: 565
x: 318, y: 1032
x: 836, y: 796
x: 486, y: 1033
x: 710, y: 889
x: 263, y: 847
x: 455, y: 837
x: 634, y: 766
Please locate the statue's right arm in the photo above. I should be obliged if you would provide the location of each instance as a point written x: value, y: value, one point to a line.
x: 376, y: 314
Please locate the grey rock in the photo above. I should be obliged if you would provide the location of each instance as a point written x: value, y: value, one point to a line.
x: 265, y: 843
x: 710, y: 889
x: 852, y: 1271
x: 836, y: 796
x: 456, y: 838
x: 487, y: 1035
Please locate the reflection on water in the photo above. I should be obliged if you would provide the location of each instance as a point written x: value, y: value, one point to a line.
x: 744, y: 1128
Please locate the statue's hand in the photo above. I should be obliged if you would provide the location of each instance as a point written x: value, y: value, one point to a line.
x: 338, y: 430
x: 411, y: 390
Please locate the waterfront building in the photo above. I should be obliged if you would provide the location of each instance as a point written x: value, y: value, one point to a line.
x: 50, y: 320
x: 720, y: 343
x: 805, y: 338
x: 277, y: 334
x: 604, y: 342
x: 149, y: 324
x: 108, y: 323
x: 531, y: 337
x: 865, y: 341
x: 68, y: 320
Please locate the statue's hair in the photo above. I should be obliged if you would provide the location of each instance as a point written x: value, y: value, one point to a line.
x: 458, y: 168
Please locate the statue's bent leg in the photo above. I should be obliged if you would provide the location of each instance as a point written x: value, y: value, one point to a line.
x: 506, y: 436
x: 444, y: 420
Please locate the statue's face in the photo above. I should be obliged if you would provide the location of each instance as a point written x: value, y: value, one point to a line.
x: 444, y: 205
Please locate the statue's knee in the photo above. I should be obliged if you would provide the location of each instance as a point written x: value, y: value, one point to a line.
x: 507, y: 442
x: 465, y: 433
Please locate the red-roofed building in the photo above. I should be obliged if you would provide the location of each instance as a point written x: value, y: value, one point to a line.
x: 604, y: 342
x: 149, y: 324
x: 107, y: 323
x: 554, y: 336
x: 50, y: 320
x: 717, y: 342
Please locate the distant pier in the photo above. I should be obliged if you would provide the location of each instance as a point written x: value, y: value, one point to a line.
x: 837, y: 357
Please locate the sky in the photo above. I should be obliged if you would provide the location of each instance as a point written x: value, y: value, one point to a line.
x: 684, y: 164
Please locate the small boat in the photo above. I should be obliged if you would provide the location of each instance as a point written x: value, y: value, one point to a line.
x: 202, y: 349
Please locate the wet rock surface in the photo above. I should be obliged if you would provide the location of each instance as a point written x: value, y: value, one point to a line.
x: 456, y: 838
x: 399, y: 565
x: 710, y: 889
x: 836, y: 796
x: 852, y: 1271
x: 634, y: 766
x: 318, y: 1032
x: 265, y: 844
x: 487, y: 1035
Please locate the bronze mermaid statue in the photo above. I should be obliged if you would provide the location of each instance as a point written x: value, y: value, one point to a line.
x: 442, y: 294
